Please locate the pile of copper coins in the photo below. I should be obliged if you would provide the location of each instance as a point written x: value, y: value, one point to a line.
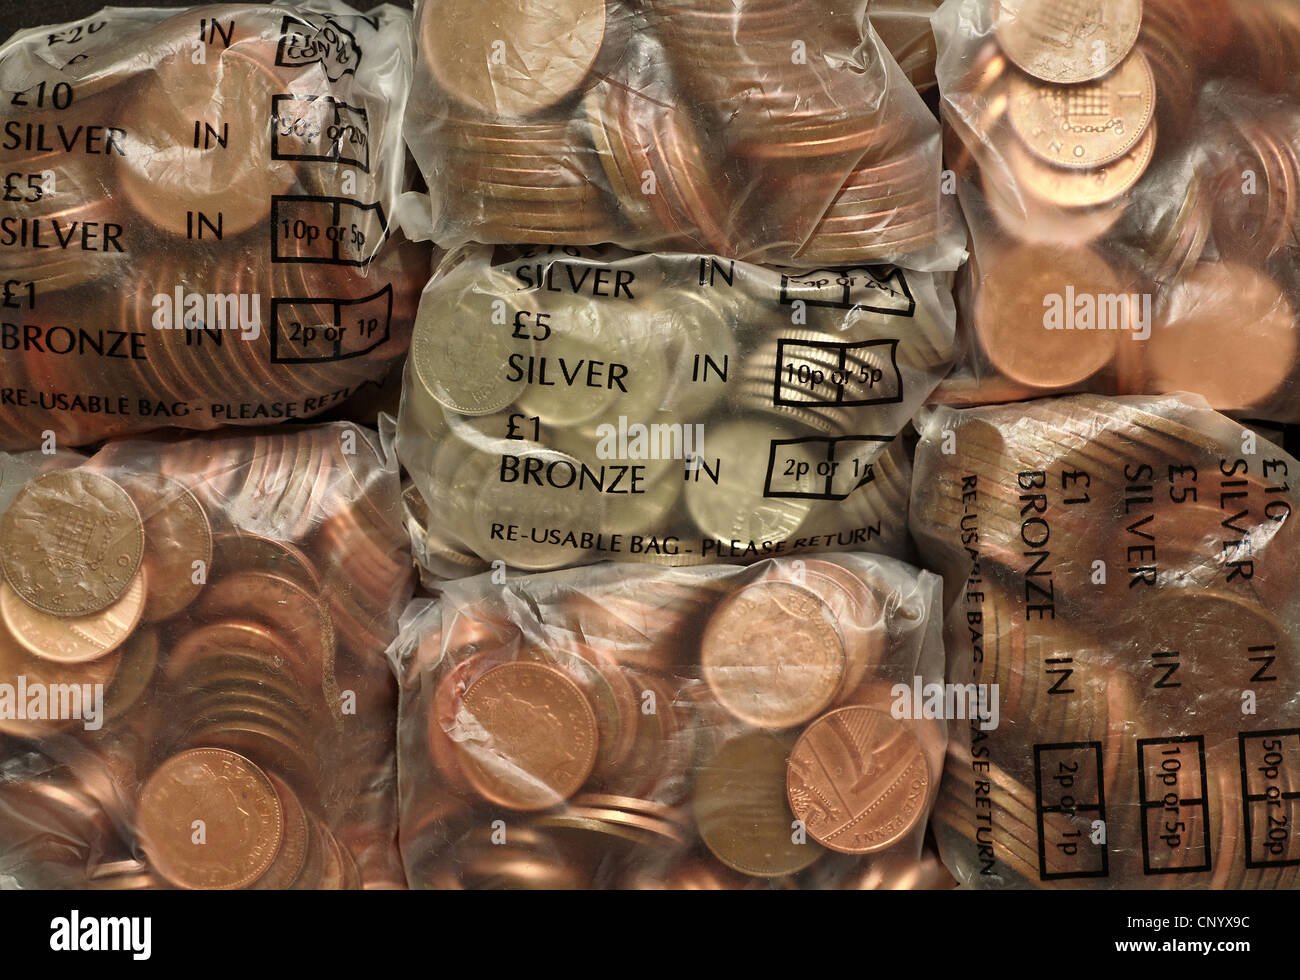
x: 194, y: 630
x: 1122, y: 648
x: 743, y: 130
x: 240, y: 274
x: 672, y: 728
x: 1141, y: 168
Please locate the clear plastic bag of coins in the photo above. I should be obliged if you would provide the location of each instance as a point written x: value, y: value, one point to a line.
x: 1123, y: 166
x: 567, y: 406
x: 627, y: 726
x: 201, y: 622
x: 1134, y: 623
x: 751, y: 130
x: 242, y: 269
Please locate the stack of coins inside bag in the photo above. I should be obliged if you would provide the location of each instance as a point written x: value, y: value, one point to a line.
x: 712, y: 727
x: 760, y: 130
x: 219, y: 207
x: 692, y: 410
x: 1128, y: 171
x: 193, y: 692
x: 1123, y: 573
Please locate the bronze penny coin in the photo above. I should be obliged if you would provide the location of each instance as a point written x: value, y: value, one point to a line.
x: 741, y: 810
x: 1067, y: 41
x: 1074, y: 188
x: 19, y: 667
x: 1187, y: 349
x: 176, y: 535
x: 1012, y: 322
x: 1084, y: 125
x: 511, y: 57
x: 528, y: 736
x: 292, y: 856
x: 234, y: 803
x: 73, y: 542
x: 773, y: 655
x: 858, y: 779
x: 74, y: 639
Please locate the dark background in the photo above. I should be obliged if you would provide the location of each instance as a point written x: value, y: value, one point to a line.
x: 15, y: 15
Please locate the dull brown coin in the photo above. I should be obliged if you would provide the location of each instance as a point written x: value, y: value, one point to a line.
x: 741, y: 810
x: 1039, y: 313
x: 1067, y: 41
x: 773, y: 655
x: 73, y: 542
x: 527, y: 736
x: 1187, y: 350
x: 1086, y: 125
x: 74, y: 639
x: 858, y: 779
x: 177, y: 535
x: 239, y: 811
x: 512, y: 57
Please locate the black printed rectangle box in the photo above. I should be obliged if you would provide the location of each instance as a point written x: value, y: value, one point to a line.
x: 312, y: 331
x: 814, y: 372
x: 1270, y: 791
x: 1174, y: 798
x: 326, y: 230
x: 1069, y: 786
x: 319, y: 129
x: 816, y: 468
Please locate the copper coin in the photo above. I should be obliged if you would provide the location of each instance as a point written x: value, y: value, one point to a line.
x: 772, y: 654
x: 292, y: 855
x: 1189, y: 350
x: 1085, y: 125
x: 233, y: 802
x: 511, y: 57
x: 73, y: 639
x: 527, y: 736
x: 176, y: 535
x: 73, y: 542
x: 1012, y: 322
x: 1074, y: 188
x: 858, y: 779
x: 1067, y: 41
x: 741, y: 810
x: 28, y: 674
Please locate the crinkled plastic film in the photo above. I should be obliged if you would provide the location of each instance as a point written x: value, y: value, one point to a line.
x: 635, y: 727
x: 227, y: 719
x: 196, y: 217
x: 1120, y: 579
x: 569, y: 405
x: 1129, y: 183
x: 766, y: 131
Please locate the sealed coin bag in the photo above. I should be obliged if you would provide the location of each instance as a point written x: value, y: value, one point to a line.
x: 193, y: 689
x: 196, y: 217
x: 759, y: 130
x: 564, y: 406
x: 1120, y: 579
x: 1128, y: 171
x: 711, y: 727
